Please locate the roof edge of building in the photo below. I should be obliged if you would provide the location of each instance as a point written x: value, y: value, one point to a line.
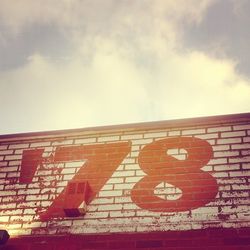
x: 173, y: 123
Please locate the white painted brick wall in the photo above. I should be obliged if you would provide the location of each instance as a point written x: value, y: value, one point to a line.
x: 113, y: 209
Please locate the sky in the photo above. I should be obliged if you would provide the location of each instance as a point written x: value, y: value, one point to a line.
x: 83, y: 63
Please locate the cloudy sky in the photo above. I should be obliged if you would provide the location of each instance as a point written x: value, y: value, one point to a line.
x: 80, y: 63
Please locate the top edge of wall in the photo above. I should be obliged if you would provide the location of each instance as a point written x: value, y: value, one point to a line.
x: 174, y: 123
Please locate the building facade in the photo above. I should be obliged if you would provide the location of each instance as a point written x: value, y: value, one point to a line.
x: 180, y: 184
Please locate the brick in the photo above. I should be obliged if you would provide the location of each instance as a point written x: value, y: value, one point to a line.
x: 121, y: 244
x: 239, y: 159
x: 74, y: 164
x: 108, y: 187
x: 3, y: 147
x: 239, y: 173
x: 240, y: 187
x: 29, y: 211
x: 139, y: 173
x: 208, y: 136
x: 123, y: 213
x: 245, y: 152
x: 131, y: 167
x: 226, y: 153
x: 4, y: 219
x: 110, y: 193
x: 64, y: 142
x: 86, y: 140
x: 246, y: 165
x: 142, y: 141
x: 124, y: 186
x: 103, y: 201
x: 241, y: 127
x: 131, y: 137
x: 6, y: 152
x: 28, y: 191
x: 96, y: 215
x: 133, y: 179
x: 229, y: 141
x: 119, y: 213
x: 221, y: 148
x: 13, y: 157
x: 220, y: 175
x: 3, y: 175
x: 207, y: 168
x: 235, y: 194
x: 113, y: 180
x: 155, y: 135
x: 123, y: 199
x: 10, y: 199
x: 130, y: 206
x: 14, y: 163
x: 19, y: 146
x: 47, y: 151
x: 3, y: 163
x: 67, y: 177
x: 124, y: 173
x: 24, y: 218
x: 241, y: 146
x: 110, y: 207
x: 174, y: 133
x: 219, y: 129
x: 129, y: 161
x: 134, y: 154
x: 227, y: 167
x: 246, y: 139
x: 194, y: 131
x: 108, y: 138
x: 218, y: 161
x: 211, y: 142
x: 8, y: 193
x: 9, y: 169
x: 68, y: 171
x: 233, y: 134
x: 225, y: 188
x: 12, y: 212
x: 13, y: 226
x: 37, y: 197
x: 40, y: 144
x: 237, y: 241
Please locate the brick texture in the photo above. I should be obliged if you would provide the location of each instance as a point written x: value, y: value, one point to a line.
x: 186, y: 178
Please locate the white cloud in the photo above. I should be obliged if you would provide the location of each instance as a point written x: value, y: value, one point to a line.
x: 124, y: 68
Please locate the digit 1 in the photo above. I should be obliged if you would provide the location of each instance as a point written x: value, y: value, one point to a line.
x: 30, y: 161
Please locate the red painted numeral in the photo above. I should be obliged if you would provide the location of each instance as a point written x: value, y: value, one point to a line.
x: 198, y: 187
x: 101, y: 162
x: 30, y: 161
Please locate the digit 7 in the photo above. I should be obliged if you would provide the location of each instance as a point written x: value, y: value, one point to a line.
x: 101, y: 162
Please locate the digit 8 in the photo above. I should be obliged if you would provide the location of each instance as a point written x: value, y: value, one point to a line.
x: 198, y: 187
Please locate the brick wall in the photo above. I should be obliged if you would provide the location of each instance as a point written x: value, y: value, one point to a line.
x: 187, y: 175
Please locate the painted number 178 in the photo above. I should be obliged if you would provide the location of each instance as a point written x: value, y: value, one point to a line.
x: 198, y: 187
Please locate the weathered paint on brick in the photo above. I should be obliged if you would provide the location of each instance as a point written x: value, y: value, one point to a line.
x: 113, y: 209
